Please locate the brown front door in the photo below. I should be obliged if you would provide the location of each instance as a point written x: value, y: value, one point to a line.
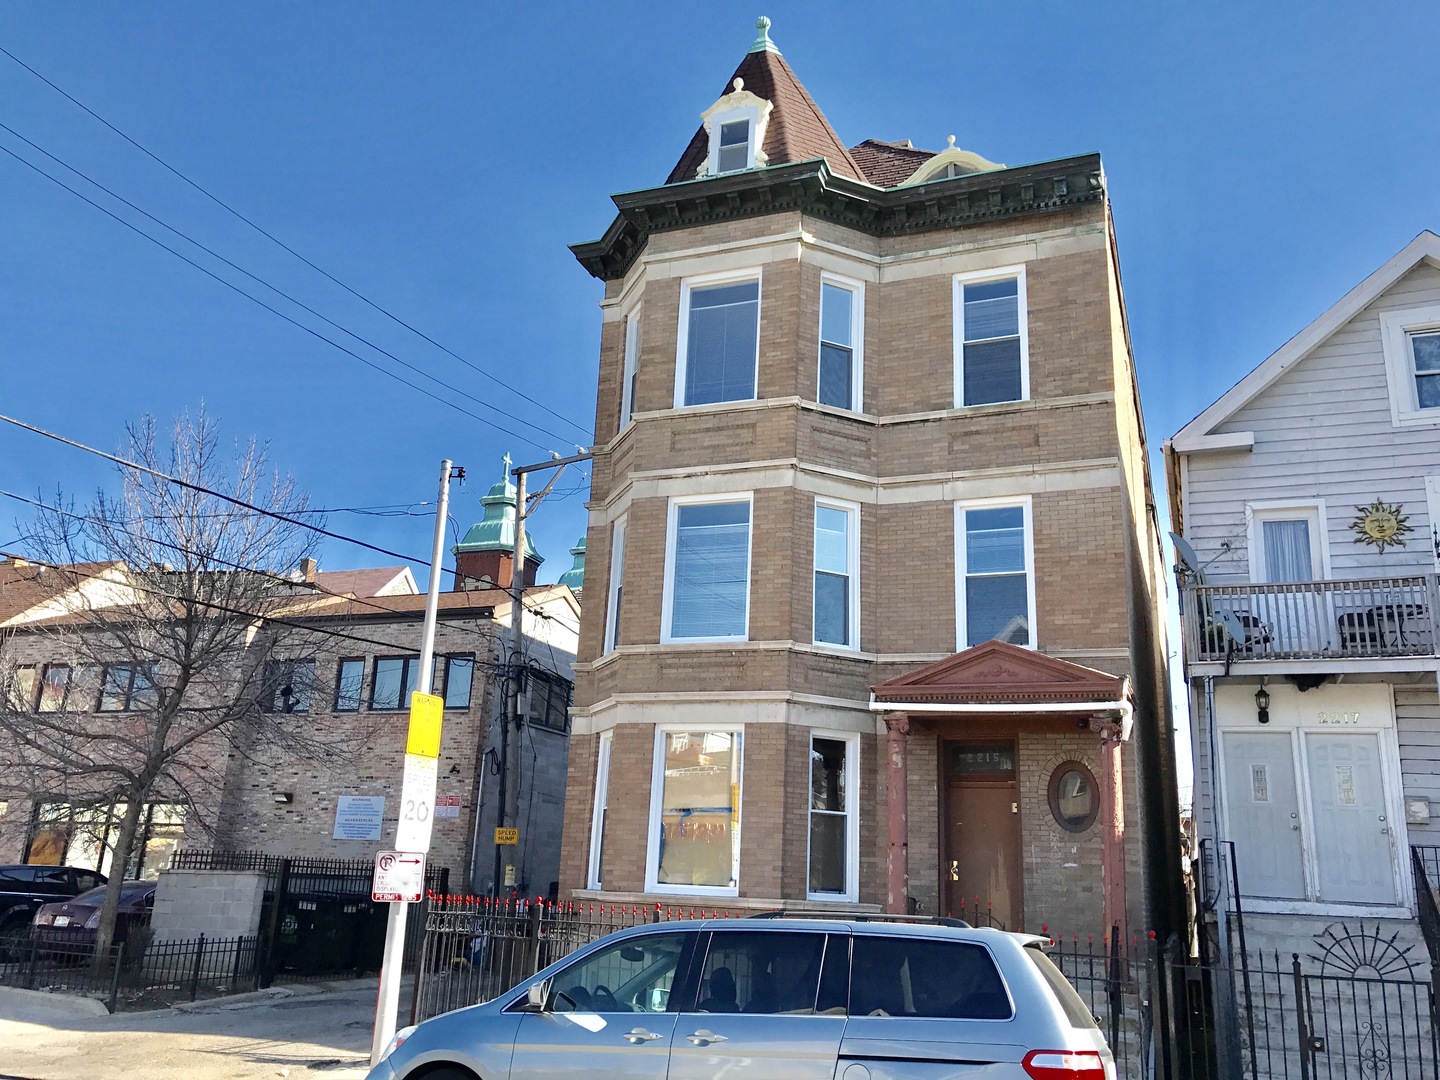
x: 981, y: 871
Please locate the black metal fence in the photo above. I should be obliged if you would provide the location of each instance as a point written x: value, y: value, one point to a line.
x: 139, y: 974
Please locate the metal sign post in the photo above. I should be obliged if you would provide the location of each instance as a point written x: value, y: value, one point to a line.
x: 417, y: 795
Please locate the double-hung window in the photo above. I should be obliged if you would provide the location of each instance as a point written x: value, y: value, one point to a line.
x: 1411, y: 341
x: 995, y: 580
x: 631, y: 368
x: 834, y: 838
x: 842, y: 321
x: 596, y: 875
x: 991, y: 339
x: 837, y: 577
x: 733, y: 149
x: 615, y: 601
x: 719, y: 340
x: 695, y: 811
x: 707, y: 570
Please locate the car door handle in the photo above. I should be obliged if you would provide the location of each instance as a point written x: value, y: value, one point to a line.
x: 704, y: 1038
x: 640, y: 1035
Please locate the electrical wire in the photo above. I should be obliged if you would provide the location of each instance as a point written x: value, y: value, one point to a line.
x: 273, y: 310
x: 269, y: 236
x: 233, y: 500
x: 277, y: 291
x: 280, y: 578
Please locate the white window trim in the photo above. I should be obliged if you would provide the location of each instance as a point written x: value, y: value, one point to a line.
x: 657, y: 785
x: 615, y: 582
x: 630, y: 366
x: 1395, y: 328
x: 857, y: 338
x: 852, y: 572
x: 851, y: 739
x: 716, y: 123
x: 682, y: 344
x: 1312, y: 510
x: 671, y: 534
x: 1242, y: 722
x: 979, y: 277
x: 602, y: 799
x: 1024, y: 502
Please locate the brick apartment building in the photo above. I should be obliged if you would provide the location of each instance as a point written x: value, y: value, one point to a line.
x: 342, y: 675
x: 874, y: 588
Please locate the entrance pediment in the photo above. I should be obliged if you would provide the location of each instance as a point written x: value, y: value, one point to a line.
x: 999, y: 673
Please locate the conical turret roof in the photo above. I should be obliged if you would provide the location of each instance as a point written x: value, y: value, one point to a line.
x: 797, y: 131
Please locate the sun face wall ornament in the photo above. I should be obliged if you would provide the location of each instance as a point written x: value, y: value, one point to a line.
x: 1380, y: 524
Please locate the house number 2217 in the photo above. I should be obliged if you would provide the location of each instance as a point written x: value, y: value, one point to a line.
x: 1339, y: 717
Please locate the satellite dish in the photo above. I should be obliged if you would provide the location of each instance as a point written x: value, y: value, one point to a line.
x: 1232, y: 625
x: 1189, y: 561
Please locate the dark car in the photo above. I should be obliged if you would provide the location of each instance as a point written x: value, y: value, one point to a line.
x: 74, y: 922
x: 24, y: 889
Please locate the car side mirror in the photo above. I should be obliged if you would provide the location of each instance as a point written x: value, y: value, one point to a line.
x: 537, y: 997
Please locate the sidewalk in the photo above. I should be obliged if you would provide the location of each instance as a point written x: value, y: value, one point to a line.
x: 299, y: 1031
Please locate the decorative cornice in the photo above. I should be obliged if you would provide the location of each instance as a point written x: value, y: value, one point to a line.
x: 811, y: 188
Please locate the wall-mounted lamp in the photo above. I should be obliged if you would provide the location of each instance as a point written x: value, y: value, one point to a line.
x: 1262, y: 704
x: 283, y: 796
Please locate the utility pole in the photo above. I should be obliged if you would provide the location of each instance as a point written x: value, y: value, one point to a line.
x: 388, y: 998
x: 508, y: 806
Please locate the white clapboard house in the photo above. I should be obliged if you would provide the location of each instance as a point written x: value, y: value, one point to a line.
x: 1307, y: 499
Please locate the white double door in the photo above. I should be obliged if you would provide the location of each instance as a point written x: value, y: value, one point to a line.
x: 1309, y: 816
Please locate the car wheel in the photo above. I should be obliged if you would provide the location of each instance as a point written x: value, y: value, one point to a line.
x: 448, y: 1072
x: 14, y: 939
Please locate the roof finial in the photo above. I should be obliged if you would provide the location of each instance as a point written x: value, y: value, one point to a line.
x: 762, y: 42
x: 950, y: 139
x: 738, y: 84
x: 505, y: 472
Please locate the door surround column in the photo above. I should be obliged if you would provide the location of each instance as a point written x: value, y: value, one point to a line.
x: 897, y: 806
x: 1112, y: 822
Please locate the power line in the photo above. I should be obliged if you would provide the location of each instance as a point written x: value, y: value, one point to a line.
x: 211, y: 492
x: 274, y: 311
x: 324, y: 273
x: 280, y: 578
x: 288, y: 519
x: 277, y: 291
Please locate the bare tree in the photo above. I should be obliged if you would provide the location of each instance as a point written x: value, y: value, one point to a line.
x: 179, y: 657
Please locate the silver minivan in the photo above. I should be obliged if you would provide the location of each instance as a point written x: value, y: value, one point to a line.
x: 774, y: 999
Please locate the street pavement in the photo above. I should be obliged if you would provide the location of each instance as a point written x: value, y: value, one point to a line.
x: 294, y: 1032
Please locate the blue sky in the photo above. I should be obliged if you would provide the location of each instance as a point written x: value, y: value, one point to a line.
x: 439, y: 157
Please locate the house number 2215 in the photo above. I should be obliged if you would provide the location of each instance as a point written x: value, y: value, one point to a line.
x: 1339, y: 717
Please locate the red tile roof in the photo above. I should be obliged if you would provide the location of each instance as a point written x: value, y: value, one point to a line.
x: 798, y: 130
x: 889, y: 164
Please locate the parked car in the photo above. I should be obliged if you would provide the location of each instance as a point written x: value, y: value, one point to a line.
x: 774, y: 999
x: 74, y: 922
x: 24, y: 889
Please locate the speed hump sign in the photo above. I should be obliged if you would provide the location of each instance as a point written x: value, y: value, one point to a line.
x: 399, y: 877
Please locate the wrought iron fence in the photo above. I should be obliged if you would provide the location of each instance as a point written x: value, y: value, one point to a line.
x: 476, y: 947
x: 138, y: 973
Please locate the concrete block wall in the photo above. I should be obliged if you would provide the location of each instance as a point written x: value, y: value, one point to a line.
x: 216, y: 903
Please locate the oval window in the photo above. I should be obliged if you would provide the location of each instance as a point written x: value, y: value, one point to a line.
x: 1073, y: 798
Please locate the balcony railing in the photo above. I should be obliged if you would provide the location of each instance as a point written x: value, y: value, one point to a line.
x: 1309, y: 620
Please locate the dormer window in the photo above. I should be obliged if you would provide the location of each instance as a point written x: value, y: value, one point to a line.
x: 734, y: 152
x: 950, y: 162
x: 736, y: 127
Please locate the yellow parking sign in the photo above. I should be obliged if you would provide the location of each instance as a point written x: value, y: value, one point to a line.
x: 507, y: 836
x: 426, y: 713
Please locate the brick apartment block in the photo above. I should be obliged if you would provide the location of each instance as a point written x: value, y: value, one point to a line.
x: 934, y: 347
